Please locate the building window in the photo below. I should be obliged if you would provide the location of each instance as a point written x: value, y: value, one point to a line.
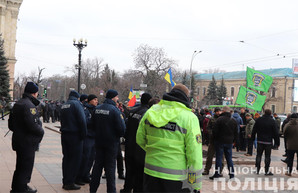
x: 198, y: 90
x: 232, y: 91
x: 273, y: 108
x: 273, y: 91
x: 294, y: 109
x: 204, y: 91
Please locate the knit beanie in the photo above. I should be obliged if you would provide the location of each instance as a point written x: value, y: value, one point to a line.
x: 31, y: 87
x: 145, y: 98
x: 111, y: 94
x: 91, y: 97
x: 74, y: 94
x: 83, y: 97
x: 294, y: 115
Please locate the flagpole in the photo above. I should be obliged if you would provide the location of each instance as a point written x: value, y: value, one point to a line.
x: 246, y: 89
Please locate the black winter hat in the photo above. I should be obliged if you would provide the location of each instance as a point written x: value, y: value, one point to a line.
x: 83, y: 97
x: 91, y: 97
x: 145, y: 98
x: 294, y: 115
x: 31, y: 87
x: 74, y: 94
x: 111, y: 94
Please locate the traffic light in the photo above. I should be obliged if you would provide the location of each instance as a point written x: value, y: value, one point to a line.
x: 45, y: 92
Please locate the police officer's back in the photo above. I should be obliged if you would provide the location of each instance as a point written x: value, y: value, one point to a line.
x: 109, y: 127
x: 27, y: 134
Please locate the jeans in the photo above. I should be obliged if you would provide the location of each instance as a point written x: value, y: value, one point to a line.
x: 261, y: 148
x: 227, y: 150
x: 290, y: 159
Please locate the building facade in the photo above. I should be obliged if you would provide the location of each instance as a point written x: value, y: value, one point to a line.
x: 9, y: 11
x: 280, y: 97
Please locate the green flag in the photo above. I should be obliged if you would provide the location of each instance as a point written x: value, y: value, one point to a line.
x: 250, y: 99
x: 258, y: 80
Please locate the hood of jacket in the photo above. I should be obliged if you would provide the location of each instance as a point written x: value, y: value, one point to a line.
x: 236, y: 115
x: 165, y: 111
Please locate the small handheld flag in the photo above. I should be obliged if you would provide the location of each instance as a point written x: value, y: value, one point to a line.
x: 130, y: 93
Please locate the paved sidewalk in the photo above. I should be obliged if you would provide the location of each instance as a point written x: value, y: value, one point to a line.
x: 47, y: 173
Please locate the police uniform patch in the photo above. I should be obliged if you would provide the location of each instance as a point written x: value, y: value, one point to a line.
x: 199, y: 138
x: 33, y: 111
x: 191, y: 178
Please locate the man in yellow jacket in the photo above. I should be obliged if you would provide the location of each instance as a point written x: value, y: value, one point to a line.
x: 170, y: 135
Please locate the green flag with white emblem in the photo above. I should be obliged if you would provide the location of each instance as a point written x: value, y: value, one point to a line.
x: 258, y: 80
x: 250, y: 99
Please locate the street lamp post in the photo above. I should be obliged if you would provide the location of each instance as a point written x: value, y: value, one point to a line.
x: 190, y: 71
x: 79, y: 45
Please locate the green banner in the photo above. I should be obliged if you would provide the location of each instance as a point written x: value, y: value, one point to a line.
x: 250, y: 99
x: 258, y: 80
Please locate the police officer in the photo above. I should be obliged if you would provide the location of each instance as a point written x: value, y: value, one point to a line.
x: 73, y: 132
x: 89, y: 142
x: 27, y: 134
x: 170, y: 135
x: 134, y: 154
x: 109, y: 127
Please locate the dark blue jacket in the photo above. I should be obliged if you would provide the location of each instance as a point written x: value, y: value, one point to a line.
x: 239, y: 120
x: 109, y: 124
x: 25, y: 124
x: 73, y: 119
x: 89, y: 112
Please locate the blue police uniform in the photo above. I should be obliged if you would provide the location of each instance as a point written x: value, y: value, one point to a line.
x: 73, y: 131
x: 88, y: 147
x: 109, y: 127
x: 27, y: 134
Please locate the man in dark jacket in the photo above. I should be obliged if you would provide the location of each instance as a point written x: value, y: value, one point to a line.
x: 265, y: 128
x: 27, y: 134
x: 225, y: 133
x: 73, y: 132
x: 89, y: 142
x: 285, y: 139
x: 211, y: 147
x: 291, y: 133
x: 134, y: 154
x: 109, y: 127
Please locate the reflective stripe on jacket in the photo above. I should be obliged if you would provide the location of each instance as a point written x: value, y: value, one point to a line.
x: 170, y: 134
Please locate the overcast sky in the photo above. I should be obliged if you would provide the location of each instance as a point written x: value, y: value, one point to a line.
x: 232, y: 34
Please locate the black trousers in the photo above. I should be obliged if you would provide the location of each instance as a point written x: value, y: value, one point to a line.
x: 72, y: 149
x: 249, y: 142
x: 120, y: 168
x: 290, y: 159
x: 129, y: 167
x: 105, y: 158
x: 88, y: 157
x: 260, y: 149
x: 24, y: 166
x: 153, y: 184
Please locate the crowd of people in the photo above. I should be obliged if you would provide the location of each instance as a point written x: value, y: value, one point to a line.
x: 163, y: 140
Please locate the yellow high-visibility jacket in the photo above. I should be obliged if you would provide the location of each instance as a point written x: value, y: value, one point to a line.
x: 170, y: 134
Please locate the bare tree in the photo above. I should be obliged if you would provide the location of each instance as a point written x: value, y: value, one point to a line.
x: 153, y: 64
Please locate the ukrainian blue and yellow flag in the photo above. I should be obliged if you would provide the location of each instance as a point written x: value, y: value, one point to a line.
x: 130, y: 93
x: 169, y: 78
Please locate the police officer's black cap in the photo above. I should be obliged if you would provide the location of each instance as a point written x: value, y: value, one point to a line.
x: 74, y: 94
x: 83, y: 97
x: 111, y: 94
x: 145, y: 98
x: 91, y: 97
x: 31, y: 87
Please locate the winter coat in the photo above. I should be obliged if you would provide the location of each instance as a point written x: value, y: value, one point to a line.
x: 291, y: 133
x: 108, y: 123
x: 225, y: 130
x: 266, y: 129
x: 249, y: 126
x: 25, y: 124
x: 239, y: 121
x: 73, y: 119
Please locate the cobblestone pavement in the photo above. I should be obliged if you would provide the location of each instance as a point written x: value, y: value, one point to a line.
x: 47, y: 172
